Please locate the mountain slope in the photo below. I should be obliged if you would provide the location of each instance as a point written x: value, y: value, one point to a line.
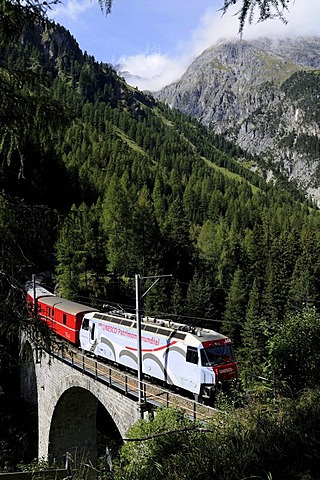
x: 263, y: 95
x: 131, y: 186
x: 108, y: 115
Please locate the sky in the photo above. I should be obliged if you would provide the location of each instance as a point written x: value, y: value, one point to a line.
x: 156, y: 40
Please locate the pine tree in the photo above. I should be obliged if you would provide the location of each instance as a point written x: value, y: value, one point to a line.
x: 252, y: 352
x: 146, y: 235
x: 178, y: 247
x: 235, y: 311
x: 199, y: 301
x: 305, y: 283
x: 177, y: 302
x: 77, y: 253
x: 118, y: 228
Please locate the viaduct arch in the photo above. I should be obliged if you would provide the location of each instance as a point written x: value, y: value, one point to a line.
x: 68, y: 403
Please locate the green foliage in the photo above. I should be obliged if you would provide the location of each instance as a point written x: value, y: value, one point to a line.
x: 279, y: 439
x: 149, y: 192
x: 199, y: 298
x: 79, y: 251
x: 136, y: 187
x: 294, y: 352
x: 14, y: 14
x: 236, y: 302
x: 152, y: 454
x: 20, y: 252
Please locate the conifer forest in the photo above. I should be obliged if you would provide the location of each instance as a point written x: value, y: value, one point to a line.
x: 99, y: 182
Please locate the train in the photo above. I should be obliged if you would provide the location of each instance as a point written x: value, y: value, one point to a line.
x: 193, y: 360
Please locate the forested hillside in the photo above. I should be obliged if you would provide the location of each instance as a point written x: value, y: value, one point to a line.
x: 100, y: 182
x: 128, y: 186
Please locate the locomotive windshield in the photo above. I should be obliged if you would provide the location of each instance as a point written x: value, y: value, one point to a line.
x: 216, y: 355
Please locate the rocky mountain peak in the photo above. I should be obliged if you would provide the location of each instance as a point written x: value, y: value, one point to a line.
x: 261, y: 94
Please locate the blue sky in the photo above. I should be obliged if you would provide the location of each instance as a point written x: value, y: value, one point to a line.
x: 155, y: 40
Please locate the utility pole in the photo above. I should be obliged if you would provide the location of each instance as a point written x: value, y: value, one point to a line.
x: 138, y: 318
x: 139, y: 349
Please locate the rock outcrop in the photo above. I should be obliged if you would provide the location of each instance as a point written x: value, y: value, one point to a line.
x: 264, y: 96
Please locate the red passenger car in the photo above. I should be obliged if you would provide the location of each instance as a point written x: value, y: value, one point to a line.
x: 64, y: 317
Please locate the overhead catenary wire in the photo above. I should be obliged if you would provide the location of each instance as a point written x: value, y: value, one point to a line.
x: 157, y: 313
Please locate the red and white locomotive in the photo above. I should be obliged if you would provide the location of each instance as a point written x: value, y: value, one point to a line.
x: 193, y: 359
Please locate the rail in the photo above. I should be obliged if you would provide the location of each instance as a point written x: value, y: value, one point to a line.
x: 153, y: 396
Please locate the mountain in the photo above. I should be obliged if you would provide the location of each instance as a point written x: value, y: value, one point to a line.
x: 108, y: 116
x: 264, y: 96
x: 100, y: 182
x: 126, y: 184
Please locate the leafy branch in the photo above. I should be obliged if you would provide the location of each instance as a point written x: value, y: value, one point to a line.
x: 267, y: 9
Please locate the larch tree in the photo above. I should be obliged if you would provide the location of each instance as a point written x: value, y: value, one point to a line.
x: 294, y: 352
x: 235, y: 312
x: 252, y: 337
x: 266, y: 9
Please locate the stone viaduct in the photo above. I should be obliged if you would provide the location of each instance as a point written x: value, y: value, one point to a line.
x: 68, y: 401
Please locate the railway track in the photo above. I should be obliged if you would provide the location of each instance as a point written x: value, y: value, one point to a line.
x: 153, y: 396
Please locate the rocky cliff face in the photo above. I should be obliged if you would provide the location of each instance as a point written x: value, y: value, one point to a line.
x: 264, y: 96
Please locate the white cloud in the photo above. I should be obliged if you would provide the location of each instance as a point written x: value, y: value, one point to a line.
x: 151, y: 71
x: 157, y: 70
x: 301, y: 19
x: 71, y: 10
